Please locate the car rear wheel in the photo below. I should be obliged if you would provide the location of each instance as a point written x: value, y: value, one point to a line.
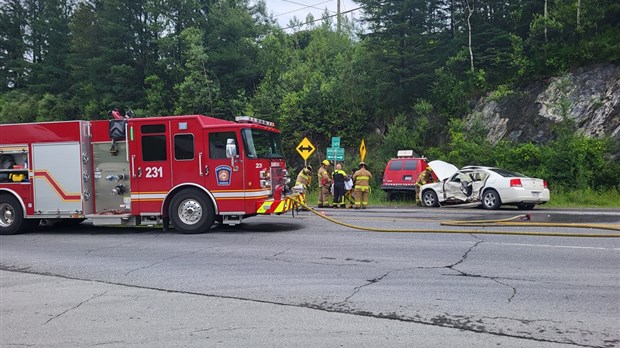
x: 491, y: 200
x: 429, y: 199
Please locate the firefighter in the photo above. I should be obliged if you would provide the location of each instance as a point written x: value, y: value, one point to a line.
x: 339, y: 176
x: 361, y: 179
x: 304, y: 178
x: 424, y: 178
x: 325, y: 182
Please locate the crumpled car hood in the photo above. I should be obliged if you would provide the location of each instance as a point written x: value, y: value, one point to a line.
x: 442, y: 169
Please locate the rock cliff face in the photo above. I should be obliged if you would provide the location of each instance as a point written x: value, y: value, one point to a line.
x: 590, y: 96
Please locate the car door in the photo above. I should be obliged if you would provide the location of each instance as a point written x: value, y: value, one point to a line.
x: 453, y: 187
x: 478, y: 183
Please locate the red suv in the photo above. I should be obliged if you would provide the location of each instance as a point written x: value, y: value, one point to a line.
x: 401, y: 174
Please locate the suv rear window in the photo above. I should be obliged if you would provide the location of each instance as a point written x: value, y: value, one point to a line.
x: 411, y: 165
x: 396, y: 165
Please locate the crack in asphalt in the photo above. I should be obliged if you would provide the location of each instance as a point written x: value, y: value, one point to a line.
x: 437, y: 322
x: 108, y: 247
x: 75, y: 307
x: 161, y: 261
x: 369, y: 282
x: 277, y: 254
x: 465, y: 274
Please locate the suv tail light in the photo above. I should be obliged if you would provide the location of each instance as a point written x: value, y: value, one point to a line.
x: 515, y: 183
x: 545, y: 183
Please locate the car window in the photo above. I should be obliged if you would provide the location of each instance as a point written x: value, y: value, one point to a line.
x: 396, y: 165
x: 456, y: 177
x: 411, y: 165
x: 507, y: 173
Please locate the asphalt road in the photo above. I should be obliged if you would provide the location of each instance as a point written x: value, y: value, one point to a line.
x: 302, y: 281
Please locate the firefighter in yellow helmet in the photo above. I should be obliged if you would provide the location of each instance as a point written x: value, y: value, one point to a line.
x: 426, y: 177
x: 325, y: 183
x: 304, y: 178
x: 361, y: 179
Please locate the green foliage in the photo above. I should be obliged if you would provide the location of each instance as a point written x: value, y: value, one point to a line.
x: 500, y: 93
x: 18, y: 107
x: 579, y: 198
x: 197, y: 93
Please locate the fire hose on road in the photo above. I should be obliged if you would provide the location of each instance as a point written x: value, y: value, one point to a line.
x: 513, y: 222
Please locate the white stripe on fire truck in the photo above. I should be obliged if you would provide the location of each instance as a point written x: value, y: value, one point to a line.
x: 240, y: 194
x: 219, y: 194
x: 142, y: 196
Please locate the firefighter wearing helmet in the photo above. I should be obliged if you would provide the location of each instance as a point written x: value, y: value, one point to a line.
x: 304, y: 178
x: 424, y: 178
x: 361, y: 179
x: 325, y: 182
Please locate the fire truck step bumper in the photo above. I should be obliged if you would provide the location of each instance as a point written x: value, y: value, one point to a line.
x: 232, y: 220
x: 116, y: 219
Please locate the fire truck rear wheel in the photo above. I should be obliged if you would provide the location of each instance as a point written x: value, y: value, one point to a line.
x: 191, y: 212
x: 11, y: 215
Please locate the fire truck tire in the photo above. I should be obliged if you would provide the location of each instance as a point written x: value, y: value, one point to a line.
x: 11, y: 215
x: 191, y: 211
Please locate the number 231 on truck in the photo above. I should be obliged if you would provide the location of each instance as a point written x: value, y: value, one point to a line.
x: 188, y: 171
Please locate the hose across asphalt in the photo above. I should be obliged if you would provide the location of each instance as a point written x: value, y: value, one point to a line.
x: 477, y: 223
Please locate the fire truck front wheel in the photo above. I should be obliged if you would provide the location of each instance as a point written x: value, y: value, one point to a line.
x: 11, y: 215
x: 191, y: 212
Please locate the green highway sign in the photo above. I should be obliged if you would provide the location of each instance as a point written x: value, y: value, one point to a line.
x: 335, y: 141
x: 335, y: 153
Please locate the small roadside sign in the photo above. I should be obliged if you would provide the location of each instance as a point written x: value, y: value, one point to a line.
x: 335, y: 141
x: 305, y: 148
x: 363, y: 150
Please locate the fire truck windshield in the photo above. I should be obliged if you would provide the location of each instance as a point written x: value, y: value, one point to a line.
x: 259, y: 143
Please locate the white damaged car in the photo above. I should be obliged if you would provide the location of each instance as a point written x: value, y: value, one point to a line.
x: 487, y: 186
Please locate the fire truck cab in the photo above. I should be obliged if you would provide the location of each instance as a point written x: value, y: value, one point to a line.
x: 188, y: 171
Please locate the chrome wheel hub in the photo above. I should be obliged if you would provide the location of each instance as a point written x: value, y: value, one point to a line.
x: 7, y: 215
x: 190, y: 211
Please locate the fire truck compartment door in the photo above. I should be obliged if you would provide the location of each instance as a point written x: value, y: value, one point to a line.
x: 57, y: 178
x: 150, y: 166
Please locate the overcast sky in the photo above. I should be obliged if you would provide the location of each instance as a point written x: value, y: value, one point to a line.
x: 284, y: 10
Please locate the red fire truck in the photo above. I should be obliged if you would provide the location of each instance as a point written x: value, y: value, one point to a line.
x: 188, y: 171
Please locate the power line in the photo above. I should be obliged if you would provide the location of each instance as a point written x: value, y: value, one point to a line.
x: 305, y: 6
x: 322, y: 18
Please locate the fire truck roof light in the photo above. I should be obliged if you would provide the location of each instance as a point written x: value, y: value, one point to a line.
x: 249, y: 119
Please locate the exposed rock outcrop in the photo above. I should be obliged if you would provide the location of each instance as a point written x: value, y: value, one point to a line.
x: 589, y: 95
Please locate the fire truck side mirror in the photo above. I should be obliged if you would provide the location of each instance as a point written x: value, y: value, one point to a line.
x: 231, y: 148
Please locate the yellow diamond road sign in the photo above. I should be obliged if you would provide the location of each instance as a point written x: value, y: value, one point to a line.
x: 363, y: 150
x: 305, y: 148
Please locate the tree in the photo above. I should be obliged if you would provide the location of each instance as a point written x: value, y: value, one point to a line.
x: 49, y: 47
x: 198, y: 93
x: 13, y: 25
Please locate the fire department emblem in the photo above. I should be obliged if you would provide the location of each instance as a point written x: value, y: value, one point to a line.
x: 223, y: 175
